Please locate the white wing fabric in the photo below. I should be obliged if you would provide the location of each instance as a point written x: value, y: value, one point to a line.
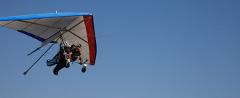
x: 74, y: 28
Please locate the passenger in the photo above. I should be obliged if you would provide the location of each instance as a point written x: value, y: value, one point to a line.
x: 76, y: 54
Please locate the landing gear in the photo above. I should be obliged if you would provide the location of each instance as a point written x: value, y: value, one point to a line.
x: 84, y: 68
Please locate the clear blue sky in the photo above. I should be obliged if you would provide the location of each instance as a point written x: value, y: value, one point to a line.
x: 146, y: 49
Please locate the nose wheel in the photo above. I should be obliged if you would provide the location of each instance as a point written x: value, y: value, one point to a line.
x: 84, y: 69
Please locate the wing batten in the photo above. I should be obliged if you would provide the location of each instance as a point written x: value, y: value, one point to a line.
x: 9, y: 22
x: 28, y: 25
x: 34, y: 23
x: 78, y: 36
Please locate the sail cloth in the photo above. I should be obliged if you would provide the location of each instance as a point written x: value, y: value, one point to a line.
x: 72, y: 28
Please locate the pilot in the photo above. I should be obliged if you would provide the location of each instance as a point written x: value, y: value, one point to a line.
x: 62, y: 59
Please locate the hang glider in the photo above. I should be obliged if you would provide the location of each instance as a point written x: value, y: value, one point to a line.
x: 72, y: 28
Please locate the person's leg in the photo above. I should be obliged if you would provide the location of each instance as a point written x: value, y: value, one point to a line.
x: 67, y: 65
x: 59, y: 66
x: 53, y: 61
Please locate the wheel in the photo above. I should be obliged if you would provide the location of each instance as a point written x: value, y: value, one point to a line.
x: 84, y: 69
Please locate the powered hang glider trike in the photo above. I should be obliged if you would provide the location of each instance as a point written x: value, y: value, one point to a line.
x: 60, y: 28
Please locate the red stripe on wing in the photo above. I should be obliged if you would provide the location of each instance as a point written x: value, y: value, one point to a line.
x: 88, y: 20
